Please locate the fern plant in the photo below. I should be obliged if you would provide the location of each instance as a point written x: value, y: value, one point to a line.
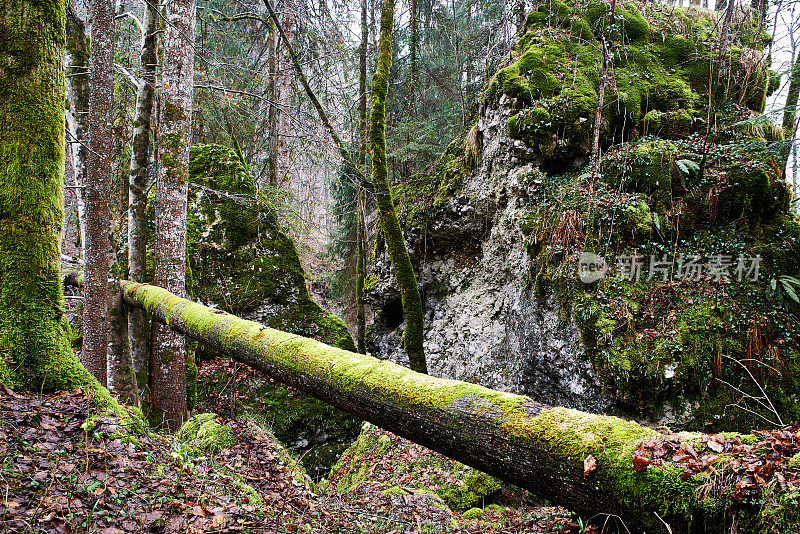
x: 784, y: 290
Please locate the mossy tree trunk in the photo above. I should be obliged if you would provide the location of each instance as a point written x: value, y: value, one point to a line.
x: 35, y: 348
x: 167, y: 357
x: 361, y: 317
x: 790, y: 109
x: 138, y: 322
x: 94, y: 352
x: 393, y: 234
x: 509, y: 436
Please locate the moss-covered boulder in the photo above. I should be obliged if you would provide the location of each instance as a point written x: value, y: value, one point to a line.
x: 392, y: 464
x: 660, y: 65
x: 688, y: 194
x: 204, y: 432
x: 241, y: 260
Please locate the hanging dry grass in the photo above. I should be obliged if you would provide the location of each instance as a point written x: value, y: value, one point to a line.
x: 568, y: 235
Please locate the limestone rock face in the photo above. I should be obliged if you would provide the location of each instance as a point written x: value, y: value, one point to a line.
x: 496, y: 229
x: 485, y: 322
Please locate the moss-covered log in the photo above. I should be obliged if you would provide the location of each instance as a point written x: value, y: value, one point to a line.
x: 509, y: 436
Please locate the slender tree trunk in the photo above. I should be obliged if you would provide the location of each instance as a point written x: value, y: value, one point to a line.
x: 167, y: 358
x: 598, y: 116
x: 138, y: 322
x: 412, y: 82
x: 272, y: 116
x: 343, y: 152
x: 509, y: 436
x: 285, y: 93
x: 35, y: 347
x: 398, y: 253
x: 723, y: 40
x: 361, y: 316
x: 790, y: 109
x: 94, y: 353
x: 77, y: 112
x: 459, y: 70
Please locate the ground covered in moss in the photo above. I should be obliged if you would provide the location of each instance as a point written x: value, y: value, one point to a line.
x: 66, y: 468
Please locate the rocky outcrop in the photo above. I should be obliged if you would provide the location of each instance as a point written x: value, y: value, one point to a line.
x: 496, y: 230
x: 240, y: 259
x: 486, y: 322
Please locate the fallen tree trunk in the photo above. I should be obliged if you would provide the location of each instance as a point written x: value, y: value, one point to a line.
x: 509, y: 436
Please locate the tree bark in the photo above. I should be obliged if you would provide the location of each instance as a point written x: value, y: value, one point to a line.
x: 138, y: 322
x: 509, y: 436
x: 413, y: 71
x: 790, y: 109
x: 35, y: 345
x: 343, y: 152
x: 398, y: 253
x: 94, y: 352
x: 77, y: 112
x: 598, y: 116
x: 272, y: 115
x: 361, y: 317
x: 167, y: 357
x: 285, y: 92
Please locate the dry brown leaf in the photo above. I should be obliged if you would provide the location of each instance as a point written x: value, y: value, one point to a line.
x: 589, y: 465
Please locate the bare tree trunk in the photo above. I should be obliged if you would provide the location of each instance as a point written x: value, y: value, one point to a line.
x: 343, y: 152
x: 138, y: 322
x: 362, y: 163
x: 285, y: 93
x: 77, y: 112
x: 598, y: 116
x: 459, y: 70
x: 414, y: 334
x: 167, y: 357
x: 723, y: 40
x: 272, y: 116
x: 121, y: 372
x: 412, y: 82
x: 98, y: 191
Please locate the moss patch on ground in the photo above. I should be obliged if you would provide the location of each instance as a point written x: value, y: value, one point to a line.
x: 393, y: 464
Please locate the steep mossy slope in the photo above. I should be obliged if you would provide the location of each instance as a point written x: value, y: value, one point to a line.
x: 690, y: 190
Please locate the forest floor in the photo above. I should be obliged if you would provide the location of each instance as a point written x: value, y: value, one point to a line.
x: 67, y: 469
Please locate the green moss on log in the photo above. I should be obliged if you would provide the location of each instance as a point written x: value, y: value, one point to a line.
x: 416, y: 404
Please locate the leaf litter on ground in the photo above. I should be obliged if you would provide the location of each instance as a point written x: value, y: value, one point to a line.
x: 67, y: 467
